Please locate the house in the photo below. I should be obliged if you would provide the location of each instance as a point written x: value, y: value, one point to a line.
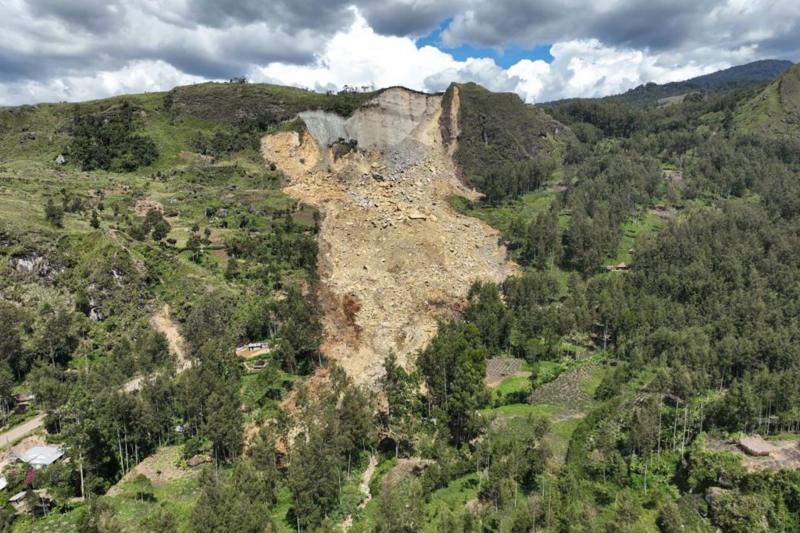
x: 22, y: 402
x: 756, y: 446
x: 40, y: 456
x: 621, y: 267
x: 3, y: 483
x: 259, y: 365
x: 256, y: 346
x: 38, y: 505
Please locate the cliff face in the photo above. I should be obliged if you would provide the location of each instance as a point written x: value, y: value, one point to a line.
x: 395, y: 258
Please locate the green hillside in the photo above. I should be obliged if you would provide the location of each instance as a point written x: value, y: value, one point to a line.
x: 505, y: 146
x: 776, y: 110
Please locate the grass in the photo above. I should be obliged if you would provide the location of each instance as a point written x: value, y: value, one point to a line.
x: 631, y: 231
x: 454, y: 496
x: 523, y: 409
x: 364, y: 520
x: 176, y: 497
x: 525, y: 208
x: 511, y: 385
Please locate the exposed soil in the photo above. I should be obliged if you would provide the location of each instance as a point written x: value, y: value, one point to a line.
x: 144, y: 205
x: 785, y: 456
x: 162, y: 322
x: 394, y: 257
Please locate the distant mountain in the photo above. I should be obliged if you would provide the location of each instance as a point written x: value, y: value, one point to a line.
x: 776, y: 109
x: 745, y: 76
x: 740, y: 76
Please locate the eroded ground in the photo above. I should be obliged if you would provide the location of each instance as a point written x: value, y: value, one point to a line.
x: 394, y: 257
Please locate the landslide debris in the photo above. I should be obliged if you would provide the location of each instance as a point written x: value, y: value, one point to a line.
x: 394, y: 257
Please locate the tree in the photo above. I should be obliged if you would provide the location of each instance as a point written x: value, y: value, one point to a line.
x: 95, y: 221
x: 454, y: 366
x: 400, y: 507
x: 54, y: 214
x: 400, y: 389
x: 195, y: 246
x: 12, y: 351
x: 314, y: 479
x: 487, y: 312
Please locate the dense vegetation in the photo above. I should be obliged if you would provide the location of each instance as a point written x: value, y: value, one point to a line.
x: 505, y: 147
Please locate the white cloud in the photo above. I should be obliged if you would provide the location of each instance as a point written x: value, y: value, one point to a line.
x: 57, y: 51
x: 136, y: 77
x: 359, y: 56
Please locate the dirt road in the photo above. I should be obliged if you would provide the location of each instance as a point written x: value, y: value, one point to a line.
x: 22, y: 430
x: 160, y: 321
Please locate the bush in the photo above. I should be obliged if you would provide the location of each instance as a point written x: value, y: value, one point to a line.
x: 106, y: 141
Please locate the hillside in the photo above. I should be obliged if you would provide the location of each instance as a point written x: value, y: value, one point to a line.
x: 738, y: 77
x: 776, y: 110
x: 745, y: 76
x: 500, y: 143
x: 244, y: 307
x: 395, y: 257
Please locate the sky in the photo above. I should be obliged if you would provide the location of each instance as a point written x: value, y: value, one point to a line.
x: 73, y: 50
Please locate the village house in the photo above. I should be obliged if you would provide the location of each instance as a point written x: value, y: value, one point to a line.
x: 40, y: 456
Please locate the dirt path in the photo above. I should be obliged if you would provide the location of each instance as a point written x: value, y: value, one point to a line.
x: 366, y: 477
x: 394, y: 256
x: 21, y: 430
x: 162, y: 322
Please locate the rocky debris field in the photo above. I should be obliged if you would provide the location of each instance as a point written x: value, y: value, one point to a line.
x: 395, y: 258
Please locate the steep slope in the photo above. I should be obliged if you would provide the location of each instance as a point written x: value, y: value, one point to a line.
x: 776, y: 110
x: 395, y: 258
x: 485, y: 130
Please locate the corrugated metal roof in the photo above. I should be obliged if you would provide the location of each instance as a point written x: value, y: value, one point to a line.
x: 41, y: 455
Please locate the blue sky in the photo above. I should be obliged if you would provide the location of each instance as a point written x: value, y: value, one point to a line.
x: 506, y: 56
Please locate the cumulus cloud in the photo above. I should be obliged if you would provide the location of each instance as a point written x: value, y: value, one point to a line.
x: 359, y: 55
x: 135, y: 77
x: 657, y: 25
x: 53, y: 49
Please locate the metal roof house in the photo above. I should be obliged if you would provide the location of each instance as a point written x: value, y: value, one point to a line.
x: 40, y: 456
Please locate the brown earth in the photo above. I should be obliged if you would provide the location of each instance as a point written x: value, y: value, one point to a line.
x: 394, y: 256
x: 784, y: 456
